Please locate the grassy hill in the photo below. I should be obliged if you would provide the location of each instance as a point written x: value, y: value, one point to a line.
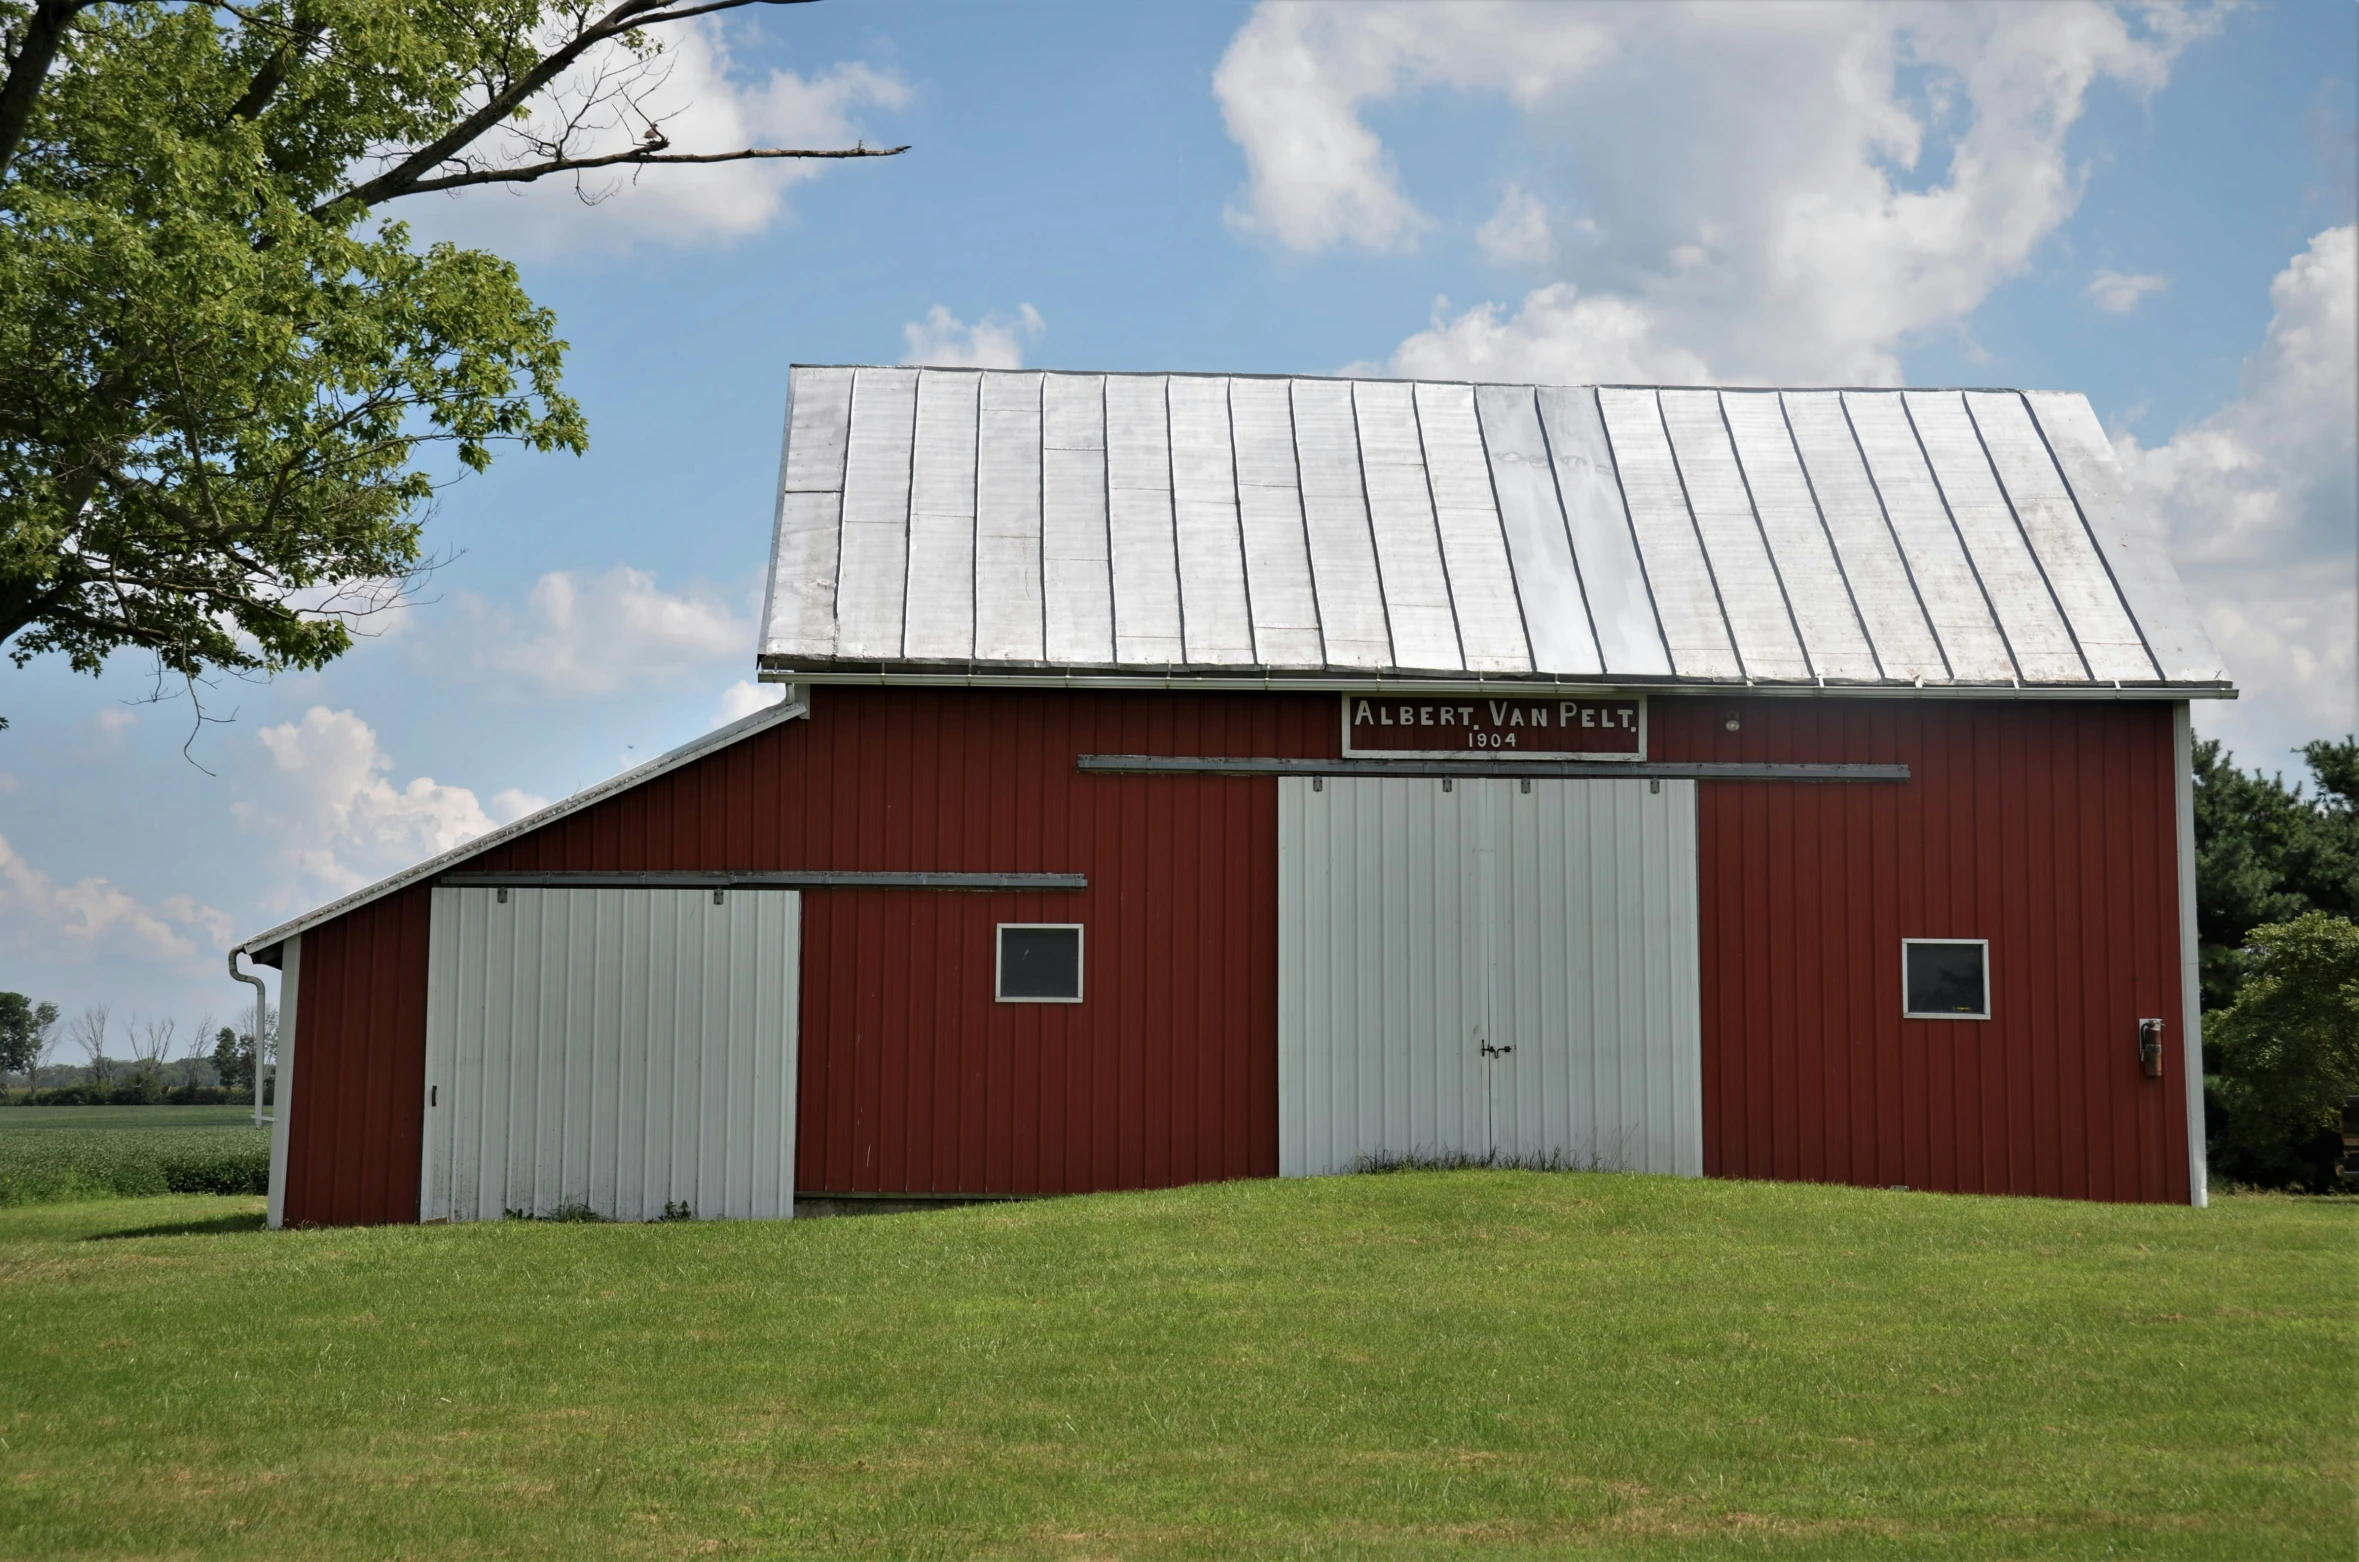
x: 1409, y: 1365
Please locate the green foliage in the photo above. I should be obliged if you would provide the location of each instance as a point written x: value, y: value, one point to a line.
x: 233, y: 1059
x: 24, y: 1027
x: 140, y: 1090
x: 2288, y: 1052
x: 215, y: 370
x: 52, y: 1164
x: 1422, y: 1365
x: 2265, y: 853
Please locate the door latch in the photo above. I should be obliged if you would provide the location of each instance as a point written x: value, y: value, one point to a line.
x: 1490, y: 1051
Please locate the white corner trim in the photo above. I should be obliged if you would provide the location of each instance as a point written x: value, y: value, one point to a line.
x: 282, y: 1092
x: 792, y: 707
x: 2190, y: 961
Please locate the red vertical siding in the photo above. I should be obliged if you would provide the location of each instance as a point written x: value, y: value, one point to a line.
x: 360, y: 1066
x: 2047, y: 828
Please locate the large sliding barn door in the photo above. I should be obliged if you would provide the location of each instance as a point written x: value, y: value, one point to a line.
x: 619, y: 1050
x: 1487, y: 971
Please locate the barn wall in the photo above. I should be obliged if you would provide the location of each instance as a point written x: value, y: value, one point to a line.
x: 2046, y: 828
x: 360, y: 1038
x: 913, y: 1080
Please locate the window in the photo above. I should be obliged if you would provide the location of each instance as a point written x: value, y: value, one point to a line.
x: 1039, y: 962
x: 1945, y: 978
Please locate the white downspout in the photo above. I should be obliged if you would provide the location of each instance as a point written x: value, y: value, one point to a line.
x: 261, y: 1001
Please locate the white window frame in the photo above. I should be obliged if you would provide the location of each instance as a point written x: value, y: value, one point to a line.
x: 999, y: 931
x: 1989, y: 1000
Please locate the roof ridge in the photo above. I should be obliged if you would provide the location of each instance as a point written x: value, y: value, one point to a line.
x: 1412, y: 379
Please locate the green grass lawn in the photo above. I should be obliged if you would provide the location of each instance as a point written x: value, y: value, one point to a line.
x: 1418, y: 1364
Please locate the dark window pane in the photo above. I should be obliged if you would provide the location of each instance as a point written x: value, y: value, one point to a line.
x: 1946, y: 979
x: 1040, y: 962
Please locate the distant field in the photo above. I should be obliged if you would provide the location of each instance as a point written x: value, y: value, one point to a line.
x: 93, y: 1152
x: 16, y: 1119
x: 1412, y: 1365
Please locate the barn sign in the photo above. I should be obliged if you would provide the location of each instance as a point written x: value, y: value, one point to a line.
x: 1476, y: 727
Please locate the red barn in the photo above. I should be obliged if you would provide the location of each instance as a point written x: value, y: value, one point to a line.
x: 1189, y: 777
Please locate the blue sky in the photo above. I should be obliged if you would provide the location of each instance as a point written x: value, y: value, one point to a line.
x: 2152, y: 207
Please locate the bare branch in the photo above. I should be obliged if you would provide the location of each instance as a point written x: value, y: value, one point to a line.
x: 638, y: 156
x: 404, y: 177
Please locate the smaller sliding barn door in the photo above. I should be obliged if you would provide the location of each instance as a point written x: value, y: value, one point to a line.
x: 615, y: 1049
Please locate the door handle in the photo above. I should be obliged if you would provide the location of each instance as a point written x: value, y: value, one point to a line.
x: 1490, y: 1051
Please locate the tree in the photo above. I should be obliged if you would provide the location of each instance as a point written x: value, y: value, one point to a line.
x: 26, y: 1029
x: 89, y: 1032
x: 151, y: 1047
x: 2289, y: 1053
x: 2264, y: 853
x: 233, y: 1059
x: 219, y: 362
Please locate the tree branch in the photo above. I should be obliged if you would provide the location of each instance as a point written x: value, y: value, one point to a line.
x: 640, y: 156
x: 404, y: 177
x: 28, y: 69
x: 273, y: 73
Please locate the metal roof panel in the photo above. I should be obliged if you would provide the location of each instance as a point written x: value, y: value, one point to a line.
x: 1029, y: 526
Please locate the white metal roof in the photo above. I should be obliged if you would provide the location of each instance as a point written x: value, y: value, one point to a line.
x: 979, y: 525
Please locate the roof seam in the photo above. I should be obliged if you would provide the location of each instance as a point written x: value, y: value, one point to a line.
x: 2090, y: 531
x: 1228, y: 412
x: 1523, y: 613
x: 1696, y: 525
x: 1949, y: 670
x: 1941, y: 492
x: 1768, y: 549
x: 1179, y: 579
x: 1433, y: 509
x: 1629, y: 520
x: 1565, y: 520
x: 1834, y: 551
x: 1392, y: 644
x: 1302, y: 517
x: 2047, y: 583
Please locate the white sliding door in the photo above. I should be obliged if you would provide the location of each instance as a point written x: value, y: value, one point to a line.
x: 1487, y: 971
x: 620, y: 1050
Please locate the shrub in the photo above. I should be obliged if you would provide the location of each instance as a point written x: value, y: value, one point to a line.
x: 2288, y: 1052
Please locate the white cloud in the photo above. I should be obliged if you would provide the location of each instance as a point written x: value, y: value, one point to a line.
x: 704, y: 105
x: 1517, y: 233
x: 742, y: 698
x: 339, y: 822
x: 1783, y: 192
x: 1557, y: 337
x: 2261, y: 500
x: 580, y: 633
x: 91, y: 917
x: 943, y: 340
x: 2121, y: 292
x: 114, y: 721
